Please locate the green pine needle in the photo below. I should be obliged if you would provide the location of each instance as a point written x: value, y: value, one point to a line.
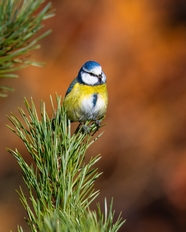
x: 3, y: 90
x: 59, y: 181
x: 19, y: 23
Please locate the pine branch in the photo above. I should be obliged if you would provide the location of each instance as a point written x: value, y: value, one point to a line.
x: 59, y: 181
x: 19, y: 21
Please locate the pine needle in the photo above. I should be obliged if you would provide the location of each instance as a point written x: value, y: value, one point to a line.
x: 59, y: 181
x: 19, y: 24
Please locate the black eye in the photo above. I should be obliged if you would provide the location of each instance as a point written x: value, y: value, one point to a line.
x: 92, y: 74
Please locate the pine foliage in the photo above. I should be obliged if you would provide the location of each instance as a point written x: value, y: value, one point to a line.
x: 20, y: 20
x: 59, y: 181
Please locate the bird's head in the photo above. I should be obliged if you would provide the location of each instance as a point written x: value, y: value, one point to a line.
x: 91, y: 74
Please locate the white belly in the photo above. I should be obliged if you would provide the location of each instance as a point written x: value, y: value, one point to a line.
x: 91, y: 109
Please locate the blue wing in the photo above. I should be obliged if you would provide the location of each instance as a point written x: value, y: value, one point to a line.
x: 71, y: 86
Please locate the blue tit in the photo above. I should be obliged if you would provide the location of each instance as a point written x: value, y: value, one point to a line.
x: 87, y: 97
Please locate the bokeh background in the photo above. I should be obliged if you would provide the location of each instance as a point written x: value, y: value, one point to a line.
x: 141, y: 45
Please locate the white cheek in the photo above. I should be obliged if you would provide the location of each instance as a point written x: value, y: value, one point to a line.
x: 88, y: 79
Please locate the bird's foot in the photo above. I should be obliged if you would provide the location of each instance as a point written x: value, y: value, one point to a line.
x: 98, y: 124
x: 86, y: 129
x: 82, y: 127
x: 89, y: 128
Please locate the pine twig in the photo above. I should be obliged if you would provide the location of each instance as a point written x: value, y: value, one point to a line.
x: 59, y: 181
x: 19, y: 22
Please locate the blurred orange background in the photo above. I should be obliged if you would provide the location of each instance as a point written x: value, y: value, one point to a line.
x: 141, y: 45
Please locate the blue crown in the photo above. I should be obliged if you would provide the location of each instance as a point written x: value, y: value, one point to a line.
x: 89, y: 65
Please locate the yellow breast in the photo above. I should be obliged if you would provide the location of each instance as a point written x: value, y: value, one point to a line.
x: 86, y: 102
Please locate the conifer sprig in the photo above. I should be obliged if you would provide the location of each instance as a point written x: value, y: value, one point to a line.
x: 59, y: 181
x: 19, y: 21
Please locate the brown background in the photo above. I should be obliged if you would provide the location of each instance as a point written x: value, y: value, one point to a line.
x: 141, y: 45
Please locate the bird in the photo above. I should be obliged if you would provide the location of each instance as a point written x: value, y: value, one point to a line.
x: 86, y: 97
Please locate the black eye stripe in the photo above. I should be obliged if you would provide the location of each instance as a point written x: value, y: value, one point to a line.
x: 92, y: 74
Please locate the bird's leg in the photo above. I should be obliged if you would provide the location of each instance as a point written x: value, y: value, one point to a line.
x: 98, y: 124
x: 85, y: 128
